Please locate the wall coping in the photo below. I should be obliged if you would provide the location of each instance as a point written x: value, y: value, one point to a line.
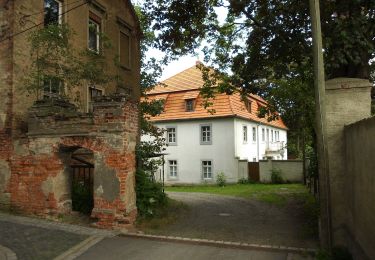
x: 364, y: 121
x: 347, y: 83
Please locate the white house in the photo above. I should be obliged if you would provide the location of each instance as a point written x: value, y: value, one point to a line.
x: 203, y: 144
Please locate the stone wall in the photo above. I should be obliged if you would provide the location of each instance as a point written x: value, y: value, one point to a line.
x: 40, y: 180
x: 6, y: 95
x: 348, y: 101
x: 291, y: 170
x: 360, y: 183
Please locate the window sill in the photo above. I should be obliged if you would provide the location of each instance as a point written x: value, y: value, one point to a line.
x: 206, y: 143
x: 125, y: 68
x: 172, y: 144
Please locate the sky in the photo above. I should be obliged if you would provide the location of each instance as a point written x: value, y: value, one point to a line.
x: 183, y: 62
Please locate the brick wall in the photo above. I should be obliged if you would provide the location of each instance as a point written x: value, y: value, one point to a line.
x: 40, y: 181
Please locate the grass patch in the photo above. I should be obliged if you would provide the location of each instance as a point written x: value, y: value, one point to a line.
x: 164, y: 216
x: 277, y: 194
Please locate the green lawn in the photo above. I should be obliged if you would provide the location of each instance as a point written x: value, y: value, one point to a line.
x: 272, y: 193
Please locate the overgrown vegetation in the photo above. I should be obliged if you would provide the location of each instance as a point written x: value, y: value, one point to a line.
x: 221, y: 179
x: 60, y: 70
x: 276, y: 176
x: 338, y: 253
x: 82, y: 198
x: 150, y: 195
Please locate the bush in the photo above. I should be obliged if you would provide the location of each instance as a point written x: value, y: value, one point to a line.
x: 246, y: 181
x: 276, y: 176
x: 221, y: 179
x: 82, y: 199
x: 150, y: 195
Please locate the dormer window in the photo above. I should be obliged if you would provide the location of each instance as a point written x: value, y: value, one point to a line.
x: 248, y: 105
x: 189, y: 105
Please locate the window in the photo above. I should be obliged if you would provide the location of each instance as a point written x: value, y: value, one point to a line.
x: 125, y: 49
x: 207, y: 169
x: 268, y: 135
x: 244, y: 130
x: 171, y: 136
x: 189, y: 105
x: 93, y: 93
x: 53, y: 87
x: 173, y: 168
x: 263, y: 134
x: 254, y: 134
x: 52, y: 12
x: 247, y: 105
x: 206, y: 136
x: 94, y: 31
x: 272, y: 136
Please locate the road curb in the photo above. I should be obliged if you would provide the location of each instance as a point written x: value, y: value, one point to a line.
x: 79, y: 249
x: 226, y: 244
x: 7, y: 254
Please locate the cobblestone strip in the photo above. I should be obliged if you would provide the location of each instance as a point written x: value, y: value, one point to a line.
x: 79, y: 249
x: 47, y: 224
x: 7, y: 254
x: 239, y: 245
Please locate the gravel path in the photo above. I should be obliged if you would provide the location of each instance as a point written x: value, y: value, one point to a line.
x: 235, y: 219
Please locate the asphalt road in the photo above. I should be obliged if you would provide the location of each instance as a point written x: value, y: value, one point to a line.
x: 120, y: 248
x: 240, y: 220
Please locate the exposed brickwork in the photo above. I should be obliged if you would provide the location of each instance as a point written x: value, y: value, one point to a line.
x: 39, y: 182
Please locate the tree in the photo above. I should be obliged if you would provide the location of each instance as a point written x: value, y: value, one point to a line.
x: 58, y: 68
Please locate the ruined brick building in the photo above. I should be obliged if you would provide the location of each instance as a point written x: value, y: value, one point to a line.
x: 42, y: 144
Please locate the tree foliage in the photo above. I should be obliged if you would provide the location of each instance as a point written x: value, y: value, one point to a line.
x: 57, y: 64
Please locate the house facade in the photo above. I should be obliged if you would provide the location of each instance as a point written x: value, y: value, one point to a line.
x: 202, y: 144
x: 49, y: 144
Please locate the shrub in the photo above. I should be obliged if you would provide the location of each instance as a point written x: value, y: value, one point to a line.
x: 150, y: 195
x: 276, y: 176
x: 243, y: 181
x: 221, y: 179
x: 246, y: 181
x: 82, y: 199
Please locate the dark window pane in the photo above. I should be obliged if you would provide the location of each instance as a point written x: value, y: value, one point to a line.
x: 51, y: 12
x: 94, y: 29
x: 125, y: 50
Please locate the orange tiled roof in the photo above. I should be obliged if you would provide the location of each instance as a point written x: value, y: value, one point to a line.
x: 186, y: 84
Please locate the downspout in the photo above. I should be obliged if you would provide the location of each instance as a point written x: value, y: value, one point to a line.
x: 258, y: 141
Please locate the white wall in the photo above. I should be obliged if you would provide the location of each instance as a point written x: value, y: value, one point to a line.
x: 249, y: 150
x: 189, y: 152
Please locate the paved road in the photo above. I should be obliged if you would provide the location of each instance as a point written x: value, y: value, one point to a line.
x: 30, y: 242
x: 119, y: 248
x: 235, y: 219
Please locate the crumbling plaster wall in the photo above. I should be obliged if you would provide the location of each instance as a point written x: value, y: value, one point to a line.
x: 40, y: 182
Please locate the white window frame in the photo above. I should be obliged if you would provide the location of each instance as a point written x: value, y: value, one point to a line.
x: 173, y: 142
x: 244, y: 134
x: 201, y: 133
x: 272, y: 138
x: 267, y: 135
x: 173, y: 174
x: 60, y: 11
x: 263, y: 135
x: 254, y: 134
x: 98, y: 28
x: 203, y: 167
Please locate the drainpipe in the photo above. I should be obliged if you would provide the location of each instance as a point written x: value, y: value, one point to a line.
x: 258, y: 141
